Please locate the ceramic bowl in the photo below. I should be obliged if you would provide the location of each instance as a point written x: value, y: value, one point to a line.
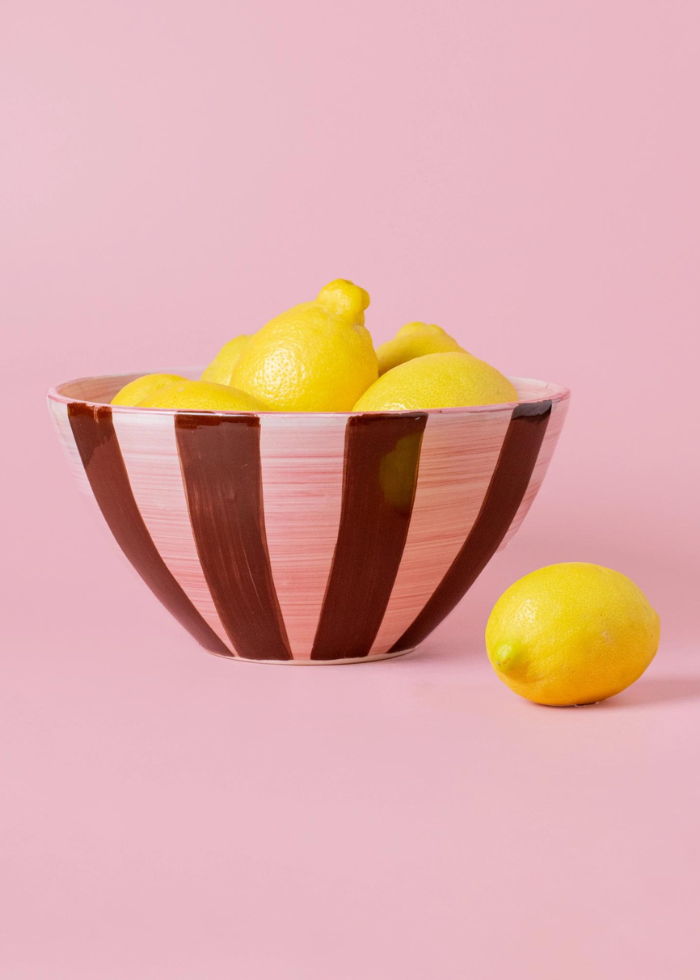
x: 309, y: 538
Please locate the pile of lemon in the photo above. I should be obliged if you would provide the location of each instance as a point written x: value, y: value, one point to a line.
x: 319, y: 357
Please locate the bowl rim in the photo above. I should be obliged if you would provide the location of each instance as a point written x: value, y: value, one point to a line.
x: 550, y: 392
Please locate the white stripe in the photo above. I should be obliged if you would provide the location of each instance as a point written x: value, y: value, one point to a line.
x: 149, y: 449
x: 302, y: 475
x: 458, y: 456
x: 554, y: 427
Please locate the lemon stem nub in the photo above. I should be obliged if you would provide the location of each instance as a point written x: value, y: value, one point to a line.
x: 508, y: 658
x: 345, y: 299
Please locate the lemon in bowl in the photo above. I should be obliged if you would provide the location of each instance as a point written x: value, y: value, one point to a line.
x: 414, y: 340
x: 220, y: 370
x: 448, y: 379
x: 315, y: 357
x: 144, y: 387
x: 202, y: 396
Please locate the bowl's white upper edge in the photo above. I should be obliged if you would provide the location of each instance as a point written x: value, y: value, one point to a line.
x: 551, y: 392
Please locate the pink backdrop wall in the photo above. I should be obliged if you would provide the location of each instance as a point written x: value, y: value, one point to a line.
x: 525, y: 175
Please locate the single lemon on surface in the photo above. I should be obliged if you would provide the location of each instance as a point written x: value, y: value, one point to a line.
x: 143, y: 387
x: 573, y: 633
x: 203, y: 396
x: 414, y: 340
x: 437, y: 381
x: 221, y: 368
x: 316, y: 357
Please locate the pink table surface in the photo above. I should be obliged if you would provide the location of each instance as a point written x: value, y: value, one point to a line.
x: 168, y: 814
x: 525, y: 175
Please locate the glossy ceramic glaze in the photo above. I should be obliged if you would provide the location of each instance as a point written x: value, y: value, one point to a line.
x: 309, y: 538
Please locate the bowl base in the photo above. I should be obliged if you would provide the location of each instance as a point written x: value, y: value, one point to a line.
x: 320, y: 663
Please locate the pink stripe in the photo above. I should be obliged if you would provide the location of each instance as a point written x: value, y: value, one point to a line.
x: 150, y: 455
x: 556, y: 421
x: 59, y: 415
x: 458, y: 457
x: 302, y: 470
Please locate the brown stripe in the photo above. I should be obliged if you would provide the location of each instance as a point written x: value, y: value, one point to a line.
x: 509, y: 482
x: 379, y: 484
x: 96, y: 439
x: 220, y: 459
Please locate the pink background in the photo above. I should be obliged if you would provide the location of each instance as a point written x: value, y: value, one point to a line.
x: 525, y: 175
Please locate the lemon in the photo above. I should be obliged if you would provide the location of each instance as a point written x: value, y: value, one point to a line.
x: 204, y: 396
x: 414, y: 340
x: 143, y: 387
x: 316, y: 357
x: 573, y: 633
x: 221, y: 368
x: 437, y: 381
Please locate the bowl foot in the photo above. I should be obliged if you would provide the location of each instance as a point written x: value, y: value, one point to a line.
x: 321, y: 663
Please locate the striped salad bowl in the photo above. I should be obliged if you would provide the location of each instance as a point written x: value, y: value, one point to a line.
x: 309, y: 538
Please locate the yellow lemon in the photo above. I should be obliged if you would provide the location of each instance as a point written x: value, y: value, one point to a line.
x: 203, y: 396
x: 414, y: 340
x: 143, y: 387
x: 221, y: 368
x: 316, y: 357
x: 573, y: 633
x: 437, y: 381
